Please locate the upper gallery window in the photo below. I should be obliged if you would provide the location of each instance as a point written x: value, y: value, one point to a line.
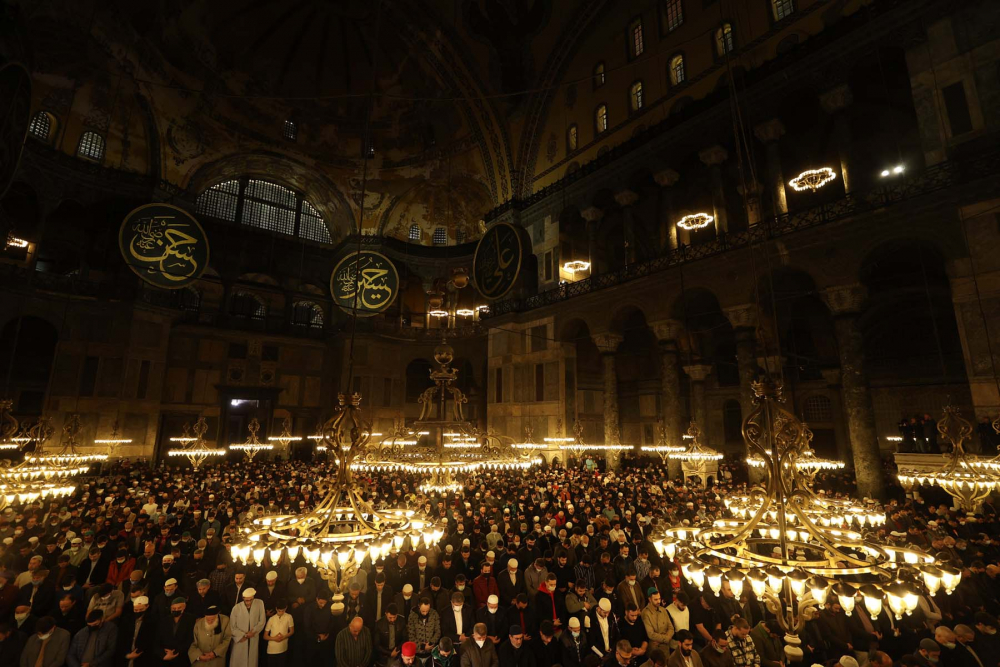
x: 265, y: 205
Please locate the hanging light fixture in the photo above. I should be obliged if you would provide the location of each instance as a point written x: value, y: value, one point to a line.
x: 435, y: 304
x: 529, y: 442
x: 67, y: 455
x: 696, y: 221
x: 812, y: 179
x: 969, y: 480
x: 577, y: 445
x: 9, y: 426
x: 285, y: 439
x: 194, y: 448
x: 114, y: 441
x: 791, y: 561
x: 661, y: 447
x: 252, y: 447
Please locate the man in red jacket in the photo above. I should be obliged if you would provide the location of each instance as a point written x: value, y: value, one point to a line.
x: 549, y: 602
x: 484, y: 585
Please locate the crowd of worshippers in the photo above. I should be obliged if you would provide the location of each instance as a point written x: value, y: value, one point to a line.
x: 552, y: 568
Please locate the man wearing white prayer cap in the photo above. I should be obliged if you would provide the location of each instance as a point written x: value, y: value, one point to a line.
x: 246, y: 622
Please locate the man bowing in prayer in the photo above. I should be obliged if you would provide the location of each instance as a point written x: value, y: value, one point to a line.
x: 246, y: 623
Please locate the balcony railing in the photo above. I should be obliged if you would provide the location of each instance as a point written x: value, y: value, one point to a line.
x: 939, y: 177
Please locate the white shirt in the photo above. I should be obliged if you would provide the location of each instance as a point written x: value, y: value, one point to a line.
x: 279, y: 625
x: 458, y: 620
x: 513, y: 577
x: 603, y: 623
x: 680, y: 619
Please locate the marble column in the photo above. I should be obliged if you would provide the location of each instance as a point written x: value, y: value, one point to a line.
x: 607, y: 345
x: 835, y: 102
x: 768, y: 133
x: 744, y: 321
x: 713, y: 157
x: 698, y: 373
x: 626, y: 199
x: 667, y: 332
x: 669, y: 233
x: 593, y: 216
x: 845, y: 302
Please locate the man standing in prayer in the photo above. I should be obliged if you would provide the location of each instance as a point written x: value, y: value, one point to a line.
x: 354, y: 645
x: 211, y: 639
x: 246, y: 622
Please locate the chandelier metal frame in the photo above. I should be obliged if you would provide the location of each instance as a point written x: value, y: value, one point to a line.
x: 253, y: 446
x: 194, y: 448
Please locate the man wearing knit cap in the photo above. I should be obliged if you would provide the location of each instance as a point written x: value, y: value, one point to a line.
x: 847, y: 661
x: 211, y: 639
x: 513, y: 652
x: 494, y: 618
x: 247, y: 622
x: 928, y: 652
x: 407, y: 655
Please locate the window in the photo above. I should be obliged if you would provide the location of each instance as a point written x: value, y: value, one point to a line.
x: 724, y: 39
x: 677, y: 70
x: 460, y: 235
x: 265, y: 205
x: 291, y: 130
x: 498, y: 388
x: 440, y: 236
x: 41, y: 126
x: 307, y: 314
x: 673, y: 14
x: 247, y: 306
x: 957, y: 107
x: 91, y: 147
x: 414, y: 232
x: 635, y: 41
x: 311, y: 225
x: 598, y: 75
x: 782, y: 8
x: 635, y: 96
x: 571, y: 138
x: 601, y: 118
x: 189, y: 299
x: 817, y: 409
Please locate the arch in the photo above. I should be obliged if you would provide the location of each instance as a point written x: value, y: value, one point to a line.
x: 189, y: 299
x: 248, y: 306
x: 307, y: 314
x: 678, y: 74
x: 27, y: 351
x: 601, y: 118
x: 43, y: 126
x: 91, y: 147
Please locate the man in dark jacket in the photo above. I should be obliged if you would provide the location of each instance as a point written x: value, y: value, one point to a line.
x: 493, y: 617
x: 319, y: 626
x: 135, y: 637
x: 175, y: 634
x: 513, y: 652
x: 390, y: 635
x: 94, y: 645
x: 69, y: 615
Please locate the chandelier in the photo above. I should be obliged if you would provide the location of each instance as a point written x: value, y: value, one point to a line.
x: 696, y: 221
x: 812, y: 179
x: 344, y: 529
x: 286, y: 438
x: 252, y: 447
x: 194, y: 448
x: 969, y: 480
x: 661, y: 447
x: 529, y: 442
x: 695, y: 452
x: 113, y: 441
x: 67, y: 457
x: 792, y: 562
x: 577, y: 445
x: 9, y: 426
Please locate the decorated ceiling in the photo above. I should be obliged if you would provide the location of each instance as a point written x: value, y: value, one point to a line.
x: 194, y: 92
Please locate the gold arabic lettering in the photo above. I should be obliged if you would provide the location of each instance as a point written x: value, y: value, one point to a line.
x: 372, y: 289
x: 162, y: 247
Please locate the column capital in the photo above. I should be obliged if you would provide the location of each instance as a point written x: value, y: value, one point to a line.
x: 626, y: 197
x: 743, y: 316
x: 769, y: 131
x: 667, y: 330
x: 607, y: 343
x: 836, y: 99
x: 592, y: 214
x: 698, y: 372
x: 666, y: 177
x: 845, y: 299
x: 713, y: 155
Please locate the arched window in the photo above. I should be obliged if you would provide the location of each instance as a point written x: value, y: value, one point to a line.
x: 414, y: 232
x: 307, y: 314
x: 247, y: 306
x: 440, y: 236
x: 635, y: 38
x: 673, y: 14
x: 189, y: 299
x: 782, y: 8
x: 572, y: 139
x: 265, y: 205
x: 459, y: 235
x: 91, y: 147
x: 817, y: 410
x: 291, y: 130
x: 598, y: 75
x: 635, y: 96
x: 677, y: 70
x: 41, y: 126
x: 601, y: 118
x: 724, y: 39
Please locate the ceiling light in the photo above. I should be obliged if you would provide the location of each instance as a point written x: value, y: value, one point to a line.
x: 812, y: 179
x: 695, y: 221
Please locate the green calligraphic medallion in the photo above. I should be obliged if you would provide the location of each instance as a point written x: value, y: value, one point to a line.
x: 164, y: 245
x: 368, y: 280
x: 497, y: 263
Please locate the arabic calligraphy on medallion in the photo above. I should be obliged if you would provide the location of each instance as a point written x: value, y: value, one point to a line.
x: 164, y: 245
x: 368, y: 280
x: 497, y: 263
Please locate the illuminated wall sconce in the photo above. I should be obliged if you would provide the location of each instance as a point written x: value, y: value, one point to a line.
x: 895, y: 171
x: 812, y: 179
x: 696, y: 221
x: 15, y: 242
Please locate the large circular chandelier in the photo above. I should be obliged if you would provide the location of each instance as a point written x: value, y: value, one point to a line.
x: 792, y: 561
x: 285, y: 439
x: 969, y: 480
x: 696, y: 221
x: 578, y: 445
x: 253, y: 446
x: 9, y: 426
x: 67, y: 456
x: 812, y: 179
x: 193, y: 447
x: 345, y: 528
x: 695, y: 452
x: 661, y: 447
